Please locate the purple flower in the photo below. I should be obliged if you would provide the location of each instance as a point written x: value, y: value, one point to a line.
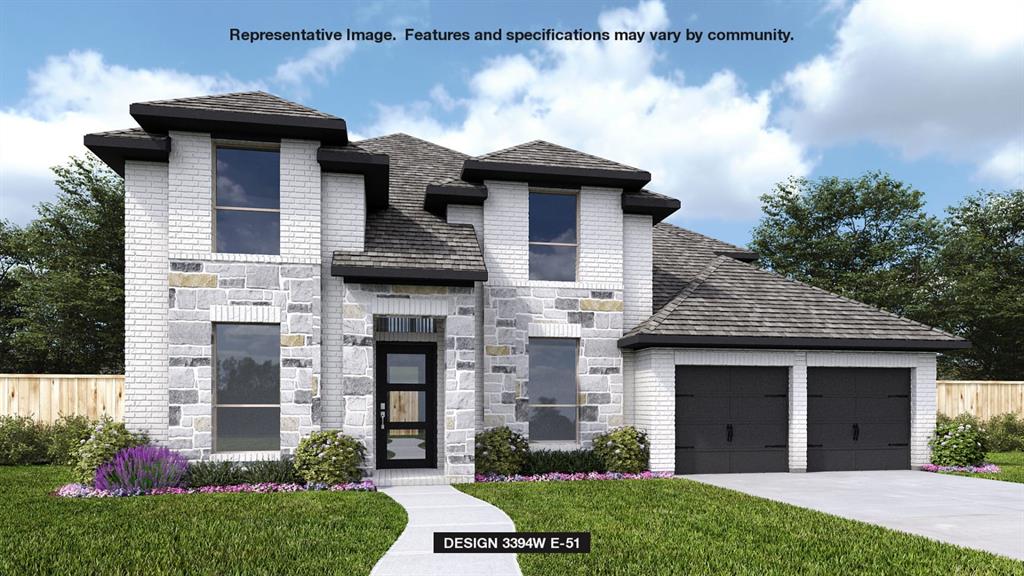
x: 983, y: 469
x: 142, y: 468
x: 83, y: 491
x: 563, y: 476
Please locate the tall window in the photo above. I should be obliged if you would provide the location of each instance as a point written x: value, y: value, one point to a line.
x: 552, y: 389
x: 247, y: 396
x: 247, y: 202
x: 553, y: 240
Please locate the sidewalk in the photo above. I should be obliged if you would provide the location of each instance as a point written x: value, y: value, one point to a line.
x: 444, y: 509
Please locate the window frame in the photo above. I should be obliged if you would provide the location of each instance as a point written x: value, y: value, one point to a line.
x: 214, y: 404
x: 576, y: 381
x: 575, y: 245
x: 241, y: 145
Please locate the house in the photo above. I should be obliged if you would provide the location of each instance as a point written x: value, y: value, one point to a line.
x: 282, y: 279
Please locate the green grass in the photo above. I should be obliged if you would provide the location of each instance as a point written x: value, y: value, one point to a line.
x: 301, y: 533
x: 682, y: 527
x: 1011, y: 465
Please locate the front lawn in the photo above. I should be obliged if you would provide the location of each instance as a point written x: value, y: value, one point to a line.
x: 302, y: 533
x: 683, y: 527
x: 1011, y: 466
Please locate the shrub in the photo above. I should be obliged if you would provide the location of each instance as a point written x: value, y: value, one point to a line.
x: 623, y: 450
x: 271, y: 471
x: 64, y: 438
x: 106, y: 439
x: 22, y: 441
x: 1004, y: 433
x: 957, y: 444
x: 565, y: 461
x: 501, y: 451
x: 214, y: 473
x: 142, y: 468
x: 329, y: 457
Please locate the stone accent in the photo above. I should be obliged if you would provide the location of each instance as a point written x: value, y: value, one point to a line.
x: 293, y: 340
x: 509, y: 313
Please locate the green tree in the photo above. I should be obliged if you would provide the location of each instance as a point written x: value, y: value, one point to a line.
x: 62, y: 278
x: 979, y: 291
x: 865, y: 238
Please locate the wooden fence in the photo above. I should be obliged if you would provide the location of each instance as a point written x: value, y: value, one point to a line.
x: 46, y: 397
x: 983, y: 399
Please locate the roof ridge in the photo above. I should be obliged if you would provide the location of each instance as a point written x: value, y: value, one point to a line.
x: 658, y: 317
x: 487, y: 156
x: 674, y: 229
x: 417, y: 138
x: 506, y: 149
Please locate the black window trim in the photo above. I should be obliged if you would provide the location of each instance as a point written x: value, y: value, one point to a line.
x: 215, y: 208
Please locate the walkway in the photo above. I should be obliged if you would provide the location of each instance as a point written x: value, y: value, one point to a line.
x: 443, y: 509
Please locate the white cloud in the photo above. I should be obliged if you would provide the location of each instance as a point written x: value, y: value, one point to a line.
x: 315, y: 64
x: 711, y: 145
x: 68, y: 97
x: 923, y: 77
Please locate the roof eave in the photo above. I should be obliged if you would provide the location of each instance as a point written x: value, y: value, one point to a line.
x: 554, y: 176
x: 239, y: 125
x: 375, y: 169
x: 420, y: 276
x: 640, y: 341
x: 115, y: 150
x: 657, y: 207
x: 438, y: 197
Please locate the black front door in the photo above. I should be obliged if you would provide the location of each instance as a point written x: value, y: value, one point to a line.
x: 406, y: 405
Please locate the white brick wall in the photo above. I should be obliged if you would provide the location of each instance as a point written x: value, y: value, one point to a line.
x: 600, y: 235
x: 343, y: 209
x: 145, y: 306
x: 655, y: 404
x: 300, y: 199
x: 507, y: 232
x: 637, y: 269
x: 190, y: 187
x: 461, y: 214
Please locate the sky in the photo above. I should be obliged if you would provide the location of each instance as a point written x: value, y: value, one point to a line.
x: 931, y: 92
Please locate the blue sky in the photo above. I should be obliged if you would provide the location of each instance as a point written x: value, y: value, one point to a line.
x: 931, y: 92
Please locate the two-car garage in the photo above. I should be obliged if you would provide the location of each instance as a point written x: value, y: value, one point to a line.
x: 736, y: 419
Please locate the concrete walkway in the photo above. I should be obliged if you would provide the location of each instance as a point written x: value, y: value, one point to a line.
x: 973, y: 512
x: 444, y: 509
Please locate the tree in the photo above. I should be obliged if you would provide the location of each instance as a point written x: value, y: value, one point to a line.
x: 865, y: 238
x: 62, y: 278
x: 979, y: 291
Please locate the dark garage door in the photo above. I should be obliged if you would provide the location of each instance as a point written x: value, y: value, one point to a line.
x: 731, y: 419
x: 858, y: 419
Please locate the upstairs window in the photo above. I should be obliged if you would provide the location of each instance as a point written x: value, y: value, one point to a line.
x: 553, y: 237
x: 247, y: 201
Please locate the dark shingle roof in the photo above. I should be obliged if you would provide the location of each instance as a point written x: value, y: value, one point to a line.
x: 545, y: 153
x: 252, y: 102
x: 405, y: 235
x: 701, y: 294
x: 138, y: 133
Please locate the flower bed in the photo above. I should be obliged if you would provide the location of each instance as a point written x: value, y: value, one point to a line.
x: 560, y: 476
x: 983, y: 469
x: 83, y: 491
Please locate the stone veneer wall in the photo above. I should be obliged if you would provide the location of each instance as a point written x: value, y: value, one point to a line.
x: 513, y: 314
x: 457, y: 306
x: 202, y: 293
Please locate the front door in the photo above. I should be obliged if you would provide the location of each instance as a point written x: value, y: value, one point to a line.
x: 406, y: 405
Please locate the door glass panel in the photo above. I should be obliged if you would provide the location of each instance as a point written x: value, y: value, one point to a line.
x: 408, y: 406
x: 407, y: 368
x: 407, y: 444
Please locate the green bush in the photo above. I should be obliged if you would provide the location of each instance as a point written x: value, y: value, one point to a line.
x: 65, y: 436
x: 210, y: 473
x: 501, y: 451
x: 958, y: 444
x: 623, y: 450
x: 281, y: 471
x: 567, y: 461
x: 22, y: 441
x: 106, y: 438
x: 1005, y: 433
x: 329, y: 457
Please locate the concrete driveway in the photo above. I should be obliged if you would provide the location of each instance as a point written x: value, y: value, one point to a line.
x: 973, y: 512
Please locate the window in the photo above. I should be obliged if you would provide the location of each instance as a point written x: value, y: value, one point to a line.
x: 552, y: 389
x: 553, y: 236
x: 247, y: 395
x: 247, y: 201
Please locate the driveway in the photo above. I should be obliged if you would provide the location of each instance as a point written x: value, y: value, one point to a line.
x: 973, y: 512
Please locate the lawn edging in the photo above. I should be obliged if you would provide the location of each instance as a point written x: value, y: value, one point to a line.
x: 567, y: 477
x: 76, y: 490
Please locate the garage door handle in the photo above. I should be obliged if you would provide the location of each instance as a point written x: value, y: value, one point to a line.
x: 728, y: 433
x: 856, y: 432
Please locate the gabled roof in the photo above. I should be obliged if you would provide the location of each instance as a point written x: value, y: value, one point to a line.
x: 241, y: 115
x: 722, y: 302
x: 404, y: 242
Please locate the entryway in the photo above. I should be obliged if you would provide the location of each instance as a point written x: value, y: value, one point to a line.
x: 406, y: 405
